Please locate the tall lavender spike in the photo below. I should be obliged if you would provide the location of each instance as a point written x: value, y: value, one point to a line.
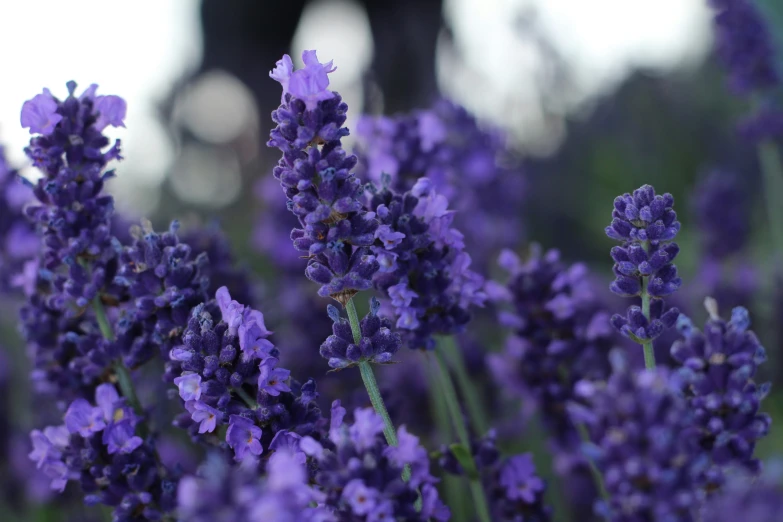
x: 74, y: 305
x: 644, y: 443
x: 645, y: 224
x: 315, y: 173
x: 718, y: 366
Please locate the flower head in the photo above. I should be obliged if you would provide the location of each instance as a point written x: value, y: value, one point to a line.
x: 308, y: 84
x: 718, y: 366
x: 645, y: 224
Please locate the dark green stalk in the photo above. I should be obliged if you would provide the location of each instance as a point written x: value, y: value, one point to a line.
x: 368, y: 377
x: 467, y: 461
x: 470, y: 392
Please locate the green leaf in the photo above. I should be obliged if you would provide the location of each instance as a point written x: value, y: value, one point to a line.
x: 463, y: 456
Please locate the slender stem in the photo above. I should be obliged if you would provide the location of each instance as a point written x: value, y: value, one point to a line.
x: 247, y: 398
x: 772, y: 171
x: 123, y: 375
x: 368, y: 377
x: 452, y: 485
x: 353, y: 319
x: 476, y: 411
x: 649, y: 353
x: 594, y: 471
x: 103, y: 321
x: 450, y: 396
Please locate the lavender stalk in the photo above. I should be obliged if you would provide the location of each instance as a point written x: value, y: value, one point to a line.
x: 465, y: 457
x: 645, y: 224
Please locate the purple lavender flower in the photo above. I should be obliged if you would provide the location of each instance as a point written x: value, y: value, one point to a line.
x: 745, y: 45
x: 718, y: 366
x: 722, y: 214
x: 425, y: 272
x: 111, y: 111
x: 518, y: 477
x: 746, y: 498
x: 166, y: 280
x: 78, y: 259
x: 645, y: 224
x: 560, y: 336
x: 98, y: 447
x: 189, y: 386
x: 83, y: 418
x: 378, y: 342
x: 361, y: 476
x: 205, y: 415
x: 514, y: 488
x: 40, y: 114
x: 272, y: 379
x: 467, y: 163
x: 19, y: 244
x: 747, y: 48
x: 242, y: 436
x: 315, y: 173
x: 239, y: 386
x: 224, y: 492
x: 644, y: 443
x: 119, y: 437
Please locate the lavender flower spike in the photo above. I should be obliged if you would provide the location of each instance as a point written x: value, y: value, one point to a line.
x: 718, y: 366
x: 644, y: 443
x: 378, y: 343
x: 315, y: 174
x: 645, y: 224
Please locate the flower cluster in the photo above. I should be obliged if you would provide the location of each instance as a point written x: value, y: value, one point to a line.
x: 227, y: 373
x: 514, y: 488
x: 378, y: 343
x: 747, y: 498
x: 79, y: 258
x: 97, y: 447
x: 19, y: 242
x: 644, y: 443
x: 723, y: 216
x: 315, y: 173
x: 466, y: 163
x: 718, y: 366
x: 745, y: 45
x: 561, y: 336
x: 425, y: 270
x: 164, y: 280
x: 362, y: 477
x: 747, y: 48
x: 645, y: 224
x: 223, y: 492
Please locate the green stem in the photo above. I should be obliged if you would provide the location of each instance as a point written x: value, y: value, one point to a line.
x: 247, y: 398
x: 649, y: 353
x: 476, y: 411
x: 594, y: 471
x: 123, y: 375
x: 453, y: 486
x: 368, y: 377
x: 772, y: 171
x: 450, y: 396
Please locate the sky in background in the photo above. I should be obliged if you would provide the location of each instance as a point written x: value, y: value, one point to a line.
x: 139, y: 49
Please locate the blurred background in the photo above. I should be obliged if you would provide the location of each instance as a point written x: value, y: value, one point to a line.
x: 593, y: 98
